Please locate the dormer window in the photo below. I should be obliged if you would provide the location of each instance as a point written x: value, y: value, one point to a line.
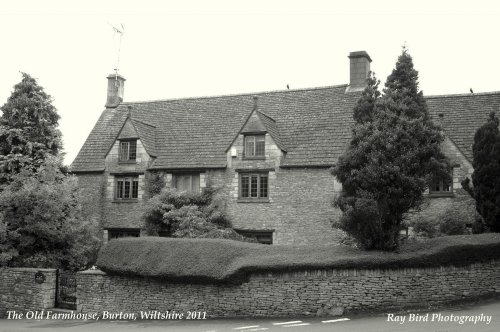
x: 255, y: 146
x: 128, y: 150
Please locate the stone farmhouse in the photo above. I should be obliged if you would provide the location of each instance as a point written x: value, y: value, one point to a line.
x: 271, y: 152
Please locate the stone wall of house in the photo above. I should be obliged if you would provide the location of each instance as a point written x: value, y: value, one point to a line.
x: 92, y: 186
x: 299, y: 207
x: 436, y: 205
x: 292, y: 293
x: 117, y: 213
x: 19, y: 292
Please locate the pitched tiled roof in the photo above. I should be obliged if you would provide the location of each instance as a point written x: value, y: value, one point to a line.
x: 91, y: 155
x: 313, y: 126
x: 462, y: 115
x: 147, y: 134
x: 272, y: 129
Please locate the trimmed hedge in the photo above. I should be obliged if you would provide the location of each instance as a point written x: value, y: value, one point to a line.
x: 214, y: 260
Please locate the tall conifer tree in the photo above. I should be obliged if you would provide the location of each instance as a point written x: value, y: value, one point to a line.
x: 393, y: 156
x: 28, y: 129
x: 486, y: 176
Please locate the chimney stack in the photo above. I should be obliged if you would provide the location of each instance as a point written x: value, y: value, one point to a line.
x: 359, y: 70
x: 115, y: 90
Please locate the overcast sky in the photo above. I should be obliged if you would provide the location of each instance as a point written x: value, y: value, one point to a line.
x: 202, y: 48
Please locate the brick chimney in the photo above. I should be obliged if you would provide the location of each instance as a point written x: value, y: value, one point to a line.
x: 359, y: 70
x: 115, y: 90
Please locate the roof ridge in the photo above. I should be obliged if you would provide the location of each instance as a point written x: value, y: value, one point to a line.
x: 464, y: 94
x: 235, y: 94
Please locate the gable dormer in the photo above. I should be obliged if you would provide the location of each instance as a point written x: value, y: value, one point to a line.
x: 258, y: 143
x: 133, y: 149
x: 127, y: 140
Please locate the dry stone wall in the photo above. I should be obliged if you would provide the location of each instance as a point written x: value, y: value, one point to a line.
x: 292, y: 293
x: 20, y: 292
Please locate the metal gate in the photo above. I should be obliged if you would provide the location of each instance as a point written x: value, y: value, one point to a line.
x: 66, y: 290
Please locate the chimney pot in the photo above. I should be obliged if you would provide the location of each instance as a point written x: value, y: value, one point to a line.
x: 359, y: 70
x: 116, y: 83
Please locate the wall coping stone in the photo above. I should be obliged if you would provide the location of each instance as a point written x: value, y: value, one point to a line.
x: 99, y: 272
x: 27, y: 269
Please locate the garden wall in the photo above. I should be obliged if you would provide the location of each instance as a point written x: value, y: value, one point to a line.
x: 20, y: 292
x: 292, y: 293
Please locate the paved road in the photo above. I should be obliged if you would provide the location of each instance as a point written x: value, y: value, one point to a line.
x: 377, y: 323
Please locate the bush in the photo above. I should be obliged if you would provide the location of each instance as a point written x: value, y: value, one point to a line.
x: 209, y: 260
x: 479, y: 227
x: 426, y: 227
x: 155, y: 182
x: 454, y: 220
x: 450, y: 225
x: 182, y: 214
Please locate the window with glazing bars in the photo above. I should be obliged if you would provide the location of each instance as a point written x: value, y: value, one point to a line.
x: 441, y: 186
x: 128, y: 150
x: 127, y: 188
x: 254, y: 185
x: 255, y: 146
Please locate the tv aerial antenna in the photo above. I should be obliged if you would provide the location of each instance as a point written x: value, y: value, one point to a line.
x: 117, y: 31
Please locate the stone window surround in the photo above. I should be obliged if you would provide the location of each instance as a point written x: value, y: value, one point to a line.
x: 176, y: 175
x: 257, y: 199
x: 128, y: 160
x: 256, y: 233
x: 132, y: 232
x: 133, y: 177
x: 253, y: 155
x: 441, y: 192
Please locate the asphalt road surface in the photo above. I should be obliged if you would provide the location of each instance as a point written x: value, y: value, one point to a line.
x: 486, y: 316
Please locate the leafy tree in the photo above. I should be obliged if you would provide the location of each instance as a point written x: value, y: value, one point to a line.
x: 486, y: 176
x: 193, y: 215
x: 28, y: 129
x: 41, y: 224
x: 392, y: 158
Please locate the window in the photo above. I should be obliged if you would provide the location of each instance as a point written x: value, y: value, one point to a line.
x: 187, y: 182
x: 127, y: 188
x: 264, y: 237
x: 254, y: 186
x: 119, y: 233
x: 128, y: 150
x: 255, y: 146
x: 441, y: 186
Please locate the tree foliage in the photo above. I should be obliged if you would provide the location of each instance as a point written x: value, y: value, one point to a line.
x: 28, y: 129
x: 193, y: 215
x: 41, y: 224
x: 486, y: 176
x: 392, y: 158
